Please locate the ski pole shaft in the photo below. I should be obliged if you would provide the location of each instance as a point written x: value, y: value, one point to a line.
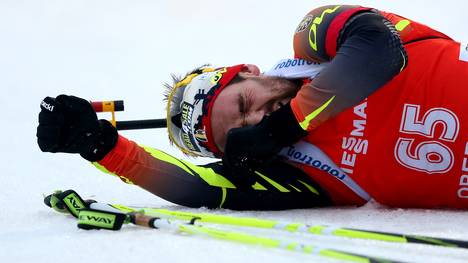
x: 118, y: 105
x: 141, y: 124
x: 267, y: 224
x: 248, y: 239
x: 314, y: 229
x: 94, y: 215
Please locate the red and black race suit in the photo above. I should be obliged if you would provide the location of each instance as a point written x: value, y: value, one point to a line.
x: 394, y: 123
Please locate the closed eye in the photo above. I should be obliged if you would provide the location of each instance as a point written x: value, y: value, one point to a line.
x: 242, y: 109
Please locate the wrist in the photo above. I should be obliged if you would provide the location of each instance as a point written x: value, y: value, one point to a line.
x: 104, y: 142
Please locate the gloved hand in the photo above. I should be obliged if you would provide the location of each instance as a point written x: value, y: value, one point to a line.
x: 250, y: 147
x: 69, y: 124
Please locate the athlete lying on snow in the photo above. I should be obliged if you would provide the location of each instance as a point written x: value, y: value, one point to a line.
x: 382, y: 117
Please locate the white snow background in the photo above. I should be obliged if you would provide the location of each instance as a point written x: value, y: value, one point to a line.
x: 114, y: 49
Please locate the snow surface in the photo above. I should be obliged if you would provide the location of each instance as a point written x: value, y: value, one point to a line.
x: 113, y: 49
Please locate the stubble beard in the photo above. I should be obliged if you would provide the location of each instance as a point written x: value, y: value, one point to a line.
x: 282, y: 88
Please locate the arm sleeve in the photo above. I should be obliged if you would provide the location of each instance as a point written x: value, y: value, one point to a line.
x: 279, y: 187
x: 364, y: 50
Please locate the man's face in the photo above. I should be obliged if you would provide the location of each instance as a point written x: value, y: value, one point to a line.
x: 246, y: 102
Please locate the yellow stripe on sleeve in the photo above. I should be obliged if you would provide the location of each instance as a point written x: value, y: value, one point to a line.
x: 305, y: 123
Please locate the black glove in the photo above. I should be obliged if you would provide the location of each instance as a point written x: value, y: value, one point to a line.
x: 69, y: 124
x: 250, y: 147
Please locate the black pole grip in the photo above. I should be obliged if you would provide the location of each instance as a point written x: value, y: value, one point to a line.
x: 119, y: 105
x: 141, y: 124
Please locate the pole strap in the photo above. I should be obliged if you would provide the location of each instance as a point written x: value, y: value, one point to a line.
x: 67, y: 202
x: 71, y: 202
x: 95, y: 219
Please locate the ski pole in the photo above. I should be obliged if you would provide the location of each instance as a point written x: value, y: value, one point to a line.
x: 112, y: 218
x: 322, y: 230
x: 248, y: 239
x: 118, y: 105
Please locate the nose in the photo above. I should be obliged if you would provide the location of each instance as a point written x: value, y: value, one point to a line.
x: 255, y: 117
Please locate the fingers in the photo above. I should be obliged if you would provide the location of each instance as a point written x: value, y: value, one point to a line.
x: 51, y: 105
x: 78, y: 108
x: 66, y: 124
x: 74, y: 104
x: 51, y: 120
x: 48, y: 138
